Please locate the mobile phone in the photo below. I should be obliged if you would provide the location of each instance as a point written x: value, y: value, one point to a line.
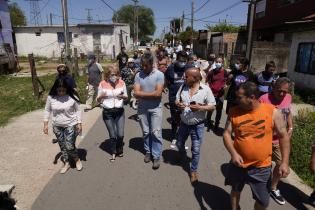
x: 193, y: 103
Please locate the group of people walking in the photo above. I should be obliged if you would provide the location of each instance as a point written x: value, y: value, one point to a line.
x: 257, y: 131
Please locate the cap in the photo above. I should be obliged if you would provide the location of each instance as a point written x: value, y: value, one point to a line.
x: 130, y: 60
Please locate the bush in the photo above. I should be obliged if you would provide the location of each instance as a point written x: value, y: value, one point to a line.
x: 304, y: 95
x: 302, y: 140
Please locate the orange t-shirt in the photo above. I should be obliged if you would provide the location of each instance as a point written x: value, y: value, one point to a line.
x: 253, y: 135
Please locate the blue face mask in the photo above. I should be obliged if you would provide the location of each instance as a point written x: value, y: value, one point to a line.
x: 218, y: 65
x: 195, y: 64
x: 181, y: 64
x: 237, y: 66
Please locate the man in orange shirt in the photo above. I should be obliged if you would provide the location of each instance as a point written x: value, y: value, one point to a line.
x: 253, y: 125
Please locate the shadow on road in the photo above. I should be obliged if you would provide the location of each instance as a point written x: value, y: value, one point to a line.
x: 81, y: 152
x: 213, y: 196
x: 106, y: 146
x: 293, y: 195
x: 134, y: 117
x: 167, y: 134
x: 173, y: 157
x: 137, y: 144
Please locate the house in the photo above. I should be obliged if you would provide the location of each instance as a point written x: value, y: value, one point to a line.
x: 275, y: 24
x: 5, y: 24
x: 227, y: 45
x: 48, y: 41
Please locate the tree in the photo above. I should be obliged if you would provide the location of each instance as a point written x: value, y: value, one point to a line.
x: 185, y: 36
x: 176, y: 25
x: 224, y: 27
x: 145, y: 19
x: 17, y: 15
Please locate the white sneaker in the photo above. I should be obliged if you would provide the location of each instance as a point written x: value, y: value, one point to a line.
x: 64, y: 168
x: 78, y: 165
x: 173, y: 144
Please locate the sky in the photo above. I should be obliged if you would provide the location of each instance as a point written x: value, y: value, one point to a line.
x: 164, y: 11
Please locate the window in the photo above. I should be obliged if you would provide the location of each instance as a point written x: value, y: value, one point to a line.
x: 260, y: 9
x: 61, y: 37
x: 305, y: 61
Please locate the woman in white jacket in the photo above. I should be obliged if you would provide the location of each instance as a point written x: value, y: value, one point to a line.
x: 64, y: 105
x: 111, y: 95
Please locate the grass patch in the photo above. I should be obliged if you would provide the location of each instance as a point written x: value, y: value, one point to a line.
x: 302, y: 140
x: 16, y: 95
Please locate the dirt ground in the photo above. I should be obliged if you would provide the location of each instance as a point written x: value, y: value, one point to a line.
x: 27, y: 155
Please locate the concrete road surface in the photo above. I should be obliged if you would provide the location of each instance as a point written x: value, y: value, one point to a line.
x: 129, y: 183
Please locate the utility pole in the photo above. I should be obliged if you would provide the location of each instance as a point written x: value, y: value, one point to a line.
x: 89, y: 17
x: 137, y: 19
x: 192, y: 22
x: 183, y: 22
x: 135, y: 23
x: 66, y: 31
x: 252, y: 4
x: 51, y: 19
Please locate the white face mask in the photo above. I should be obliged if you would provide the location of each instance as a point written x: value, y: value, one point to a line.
x: 113, y: 79
x: 218, y: 65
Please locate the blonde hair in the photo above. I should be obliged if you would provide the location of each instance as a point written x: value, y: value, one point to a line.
x: 109, y: 69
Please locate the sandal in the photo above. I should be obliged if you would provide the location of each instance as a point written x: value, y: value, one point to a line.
x: 113, y: 158
x: 121, y: 155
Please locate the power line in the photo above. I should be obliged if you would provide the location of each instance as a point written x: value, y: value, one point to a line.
x: 202, y: 6
x: 223, y: 10
x: 110, y: 8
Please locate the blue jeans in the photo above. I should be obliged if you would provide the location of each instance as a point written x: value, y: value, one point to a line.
x: 66, y: 137
x: 115, y: 122
x: 151, y: 124
x: 196, y: 135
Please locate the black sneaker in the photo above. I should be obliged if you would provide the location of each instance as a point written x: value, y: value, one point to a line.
x: 156, y: 164
x: 276, y: 195
x: 147, y: 157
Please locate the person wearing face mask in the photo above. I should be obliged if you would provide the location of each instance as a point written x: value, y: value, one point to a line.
x: 112, y: 92
x: 239, y: 75
x: 94, y: 77
x: 63, y: 72
x: 162, y: 60
x: 174, y: 78
x: 122, y: 58
x: 266, y: 78
x: 216, y: 80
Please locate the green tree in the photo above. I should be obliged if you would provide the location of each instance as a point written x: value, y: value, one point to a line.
x: 224, y: 27
x: 176, y: 23
x: 17, y: 15
x: 145, y: 19
x: 185, y: 36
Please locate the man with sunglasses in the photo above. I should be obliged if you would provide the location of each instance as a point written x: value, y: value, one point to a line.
x: 281, y: 99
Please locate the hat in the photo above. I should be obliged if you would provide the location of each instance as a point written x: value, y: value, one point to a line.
x: 130, y: 60
x: 187, y: 46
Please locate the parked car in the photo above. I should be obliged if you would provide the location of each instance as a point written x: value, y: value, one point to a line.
x: 8, y: 62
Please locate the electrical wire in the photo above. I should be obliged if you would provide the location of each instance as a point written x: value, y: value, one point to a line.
x: 108, y: 5
x: 40, y: 10
x: 222, y: 11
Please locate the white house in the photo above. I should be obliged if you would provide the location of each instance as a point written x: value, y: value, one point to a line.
x: 5, y: 24
x: 48, y: 41
x: 302, y: 59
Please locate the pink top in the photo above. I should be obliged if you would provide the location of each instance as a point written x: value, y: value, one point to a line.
x: 284, y: 106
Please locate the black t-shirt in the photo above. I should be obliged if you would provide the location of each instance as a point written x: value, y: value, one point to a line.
x: 123, y: 59
x: 175, y: 77
x: 238, y: 78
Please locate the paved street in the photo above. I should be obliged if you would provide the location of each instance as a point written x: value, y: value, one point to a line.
x: 129, y: 183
